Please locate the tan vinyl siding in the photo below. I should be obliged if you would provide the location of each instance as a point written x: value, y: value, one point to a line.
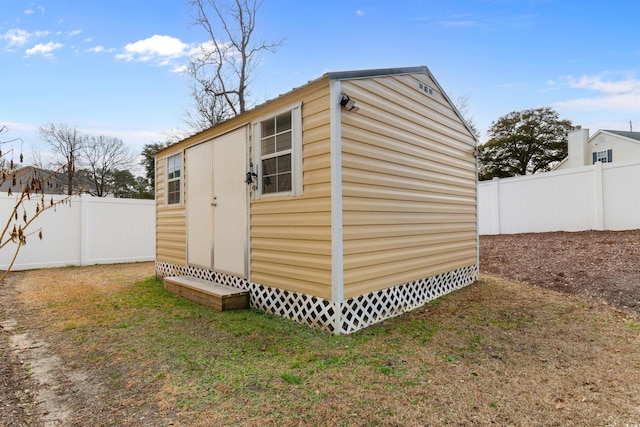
x: 171, y: 227
x: 408, y: 173
x: 291, y: 236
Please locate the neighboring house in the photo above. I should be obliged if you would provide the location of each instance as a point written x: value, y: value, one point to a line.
x: 56, y: 182
x: 339, y: 204
x: 604, y: 146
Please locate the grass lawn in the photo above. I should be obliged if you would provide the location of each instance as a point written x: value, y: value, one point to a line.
x: 494, y: 352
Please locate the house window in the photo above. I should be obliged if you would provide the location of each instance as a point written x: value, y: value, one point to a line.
x: 174, y: 167
x: 605, y: 156
x: 277, y: 153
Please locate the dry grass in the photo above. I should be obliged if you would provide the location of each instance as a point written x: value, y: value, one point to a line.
x: 494, y: 352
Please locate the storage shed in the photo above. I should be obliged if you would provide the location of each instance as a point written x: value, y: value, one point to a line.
x: 339, y: 204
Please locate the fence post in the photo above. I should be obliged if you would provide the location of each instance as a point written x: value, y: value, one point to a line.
x: 496, y: 205
x: 84, y: 229
x: 599, y: 198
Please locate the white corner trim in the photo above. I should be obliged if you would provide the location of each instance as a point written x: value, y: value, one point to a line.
x: 337, y: 252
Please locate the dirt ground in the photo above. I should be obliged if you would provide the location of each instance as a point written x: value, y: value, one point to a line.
x: 596, y: 264
x: 601, y: 266
x: 37, y: 387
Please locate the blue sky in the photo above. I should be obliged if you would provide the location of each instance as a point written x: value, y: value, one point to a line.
x: 113, y: 66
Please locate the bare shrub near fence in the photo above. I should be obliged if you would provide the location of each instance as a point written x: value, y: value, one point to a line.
x: 18, y: 226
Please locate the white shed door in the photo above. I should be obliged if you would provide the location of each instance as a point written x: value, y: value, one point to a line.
x: 199, y: 194
x: 217, y: 204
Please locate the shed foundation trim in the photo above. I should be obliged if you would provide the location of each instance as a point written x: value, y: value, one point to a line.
x: 340, y: 318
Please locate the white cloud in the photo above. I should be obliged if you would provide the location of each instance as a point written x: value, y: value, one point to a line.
x: 44, y: 49
x: 154, y: 48
x: 611, y: 102
x: 205, y: 48
x: 459, y: 23
x: 179, y: 69
x: 28, y: 11
x: 96, y: 49
x: 360, y: 12
x: 74, y: 33
x: 18, y: 38
x: 596, y: 83
x: 608, y: 94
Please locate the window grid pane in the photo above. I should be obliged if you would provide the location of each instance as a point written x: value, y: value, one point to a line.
x: 284, y: 163
x: 284, y: 182
x: 269, y: 145
x: 283, y: 122
x: 268, y: 127
x: 283, y: 141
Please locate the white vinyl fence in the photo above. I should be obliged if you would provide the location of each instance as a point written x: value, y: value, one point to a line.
x: 89, y: 230
x: 596, y: 197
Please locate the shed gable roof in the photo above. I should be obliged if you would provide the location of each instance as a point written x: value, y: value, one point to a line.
x: 349, y: 75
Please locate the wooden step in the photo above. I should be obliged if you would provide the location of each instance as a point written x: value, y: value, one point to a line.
x: 220, y: 297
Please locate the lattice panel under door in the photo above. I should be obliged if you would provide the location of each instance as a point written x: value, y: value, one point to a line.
x: 301, y: 308
x: 164, y: 269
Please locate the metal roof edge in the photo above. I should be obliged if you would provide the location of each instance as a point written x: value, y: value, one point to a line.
x: 378, y: 72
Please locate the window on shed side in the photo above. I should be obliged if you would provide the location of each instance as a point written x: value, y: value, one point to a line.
x: 174, y: 168
x: 275, y: 141
x: 278, y: 146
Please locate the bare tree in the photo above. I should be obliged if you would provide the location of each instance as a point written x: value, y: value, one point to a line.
x: 209, y: 109
x: 66, y: 142
x: 461, y: 102
x: 223, y: 68
x: 103, y: 155
x: 29, y: 203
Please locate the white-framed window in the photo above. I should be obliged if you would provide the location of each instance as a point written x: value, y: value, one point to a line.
x: 277, y: 153
x: 605, y: 156
x: 174, y: 187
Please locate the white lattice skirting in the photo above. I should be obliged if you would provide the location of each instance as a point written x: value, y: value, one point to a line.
x: 340, y: 318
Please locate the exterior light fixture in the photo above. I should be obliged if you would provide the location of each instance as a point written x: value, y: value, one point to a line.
x: 348, y: 103
x: 250, y: 177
